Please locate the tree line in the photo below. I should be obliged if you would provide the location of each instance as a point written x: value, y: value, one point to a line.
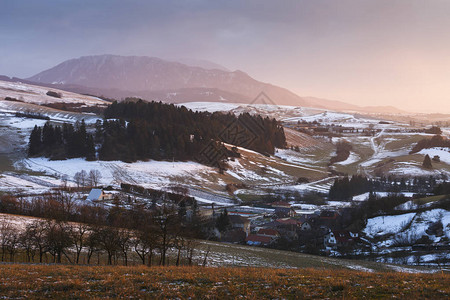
x: 345, y: 188
x: 57, y: 241
x: 164, y: 131
x: 61, y: 142
x: 435, y: 141
x: 138, y: 130
x: 112, y: 233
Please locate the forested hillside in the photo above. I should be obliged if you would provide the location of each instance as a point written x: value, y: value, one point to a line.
x: 63, y: 142
x: 138, y: 130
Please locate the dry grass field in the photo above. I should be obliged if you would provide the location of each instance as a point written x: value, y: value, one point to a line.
x: 18, y: 281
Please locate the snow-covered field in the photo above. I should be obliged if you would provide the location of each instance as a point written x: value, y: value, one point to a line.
x: 407, y: 225
x: 210, y: 106
x: 37, y: 95
x: 383, y: 225
x: 148, y: 174
x: 295, y: 157
x: 365, y: 196
x: 330, y: 117
x: 320, y: 186
x: 352, y: 158
x: 280, y: 112
x: 414, y: 168
x: 443, y: 153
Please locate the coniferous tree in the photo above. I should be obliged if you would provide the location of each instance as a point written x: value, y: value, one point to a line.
x: 427, y: 162
x: 223, y: 221
x: 35, y: 143
x: 154, y: 130
x: 66, y: 142
x: 90, y: 148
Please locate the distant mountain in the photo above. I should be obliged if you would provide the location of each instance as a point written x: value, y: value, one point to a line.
x: 152, y: 78
x: 144, y: 76
x: 201, y: 63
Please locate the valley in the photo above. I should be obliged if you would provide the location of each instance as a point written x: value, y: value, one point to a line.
x: 379, y: 149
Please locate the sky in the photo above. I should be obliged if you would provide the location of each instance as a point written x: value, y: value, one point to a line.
x: 377, y: 52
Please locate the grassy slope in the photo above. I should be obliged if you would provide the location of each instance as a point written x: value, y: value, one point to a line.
x: 232, y: 255
x: 223, y: 254
x: 75, y: 282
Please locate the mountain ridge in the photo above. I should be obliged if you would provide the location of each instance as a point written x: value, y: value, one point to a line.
x: 153, y: 78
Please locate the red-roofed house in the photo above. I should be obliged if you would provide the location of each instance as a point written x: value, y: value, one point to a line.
x: 272, y: 233
x: 344, y: 237
x: 257, y: 240
x: 284, y: 212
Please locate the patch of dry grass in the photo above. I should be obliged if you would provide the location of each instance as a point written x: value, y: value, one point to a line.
x: 60, y: 281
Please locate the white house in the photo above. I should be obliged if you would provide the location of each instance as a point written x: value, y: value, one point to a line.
x: 329, y: 239
x: 98, y: 195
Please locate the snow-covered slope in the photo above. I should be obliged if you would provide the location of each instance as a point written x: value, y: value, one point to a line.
x: 38, y: 95
x: 410, y: 225
x: 443, y: 153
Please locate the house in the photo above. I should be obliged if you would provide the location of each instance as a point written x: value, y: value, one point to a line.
x: 284, y: 212
x: 344, y: 237
x: 328, y: 215
x: 287, y: 227
x: 98, y: 195
x: 329, y: 240
x: 280, y: 204
x: 238, y: 222
x: 328, y: 218
x: 305, y: 226
x: 272, y: 233
x: 258, y: 240
x: 288, y: 222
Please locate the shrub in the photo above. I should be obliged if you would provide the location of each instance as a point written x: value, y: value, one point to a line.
x: 54, y: 94
x: 342, y: 152
x: 436, y: 158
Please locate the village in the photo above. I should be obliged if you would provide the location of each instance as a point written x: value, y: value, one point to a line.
x: 332, y: 228
x: 277, y: 224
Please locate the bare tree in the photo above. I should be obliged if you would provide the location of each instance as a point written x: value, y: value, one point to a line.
x: 37, y: 233
x: 140, y: 247
x: 145, y: 242
x: 167, y: 227
x: 206, y: 256
x: 80, y: 178
x: 179, y: 244
x: 94, y: 177
x: 67, y: 202
x: 6, y: 234
x: 190, y: 246
x: 93, y: 242
x: 83, y: 177
x: 13, y: 243
x: 124, y: 243
x: 64, y: 180
x: 108, y: 240
x: 77, y: 179
x: 58, y: 240
x: 27, y: 243
x: 78, y: 234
